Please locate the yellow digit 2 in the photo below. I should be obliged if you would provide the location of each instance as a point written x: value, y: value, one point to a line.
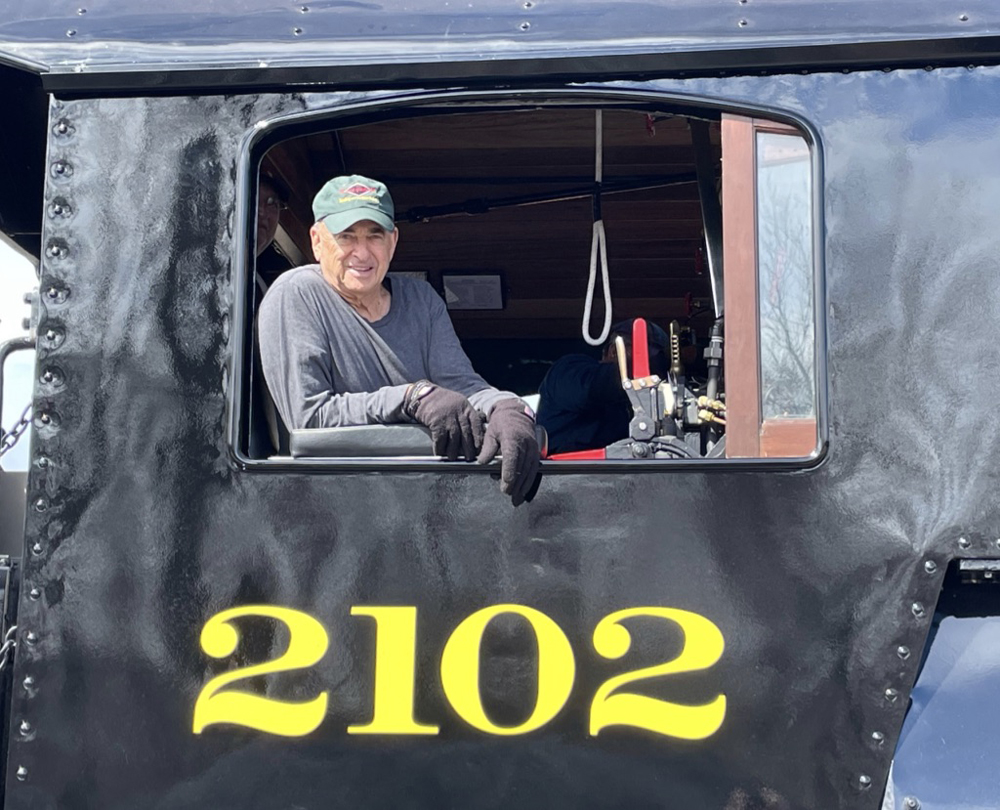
x: 395, y: 671
x: 703, y: 645
x: 460, y: 669
x: 307, y: 644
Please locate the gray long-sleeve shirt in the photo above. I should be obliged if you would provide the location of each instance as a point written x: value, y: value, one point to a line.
x: 326, y: 366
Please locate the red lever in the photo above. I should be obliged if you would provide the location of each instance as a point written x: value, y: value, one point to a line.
x: 640, y: 349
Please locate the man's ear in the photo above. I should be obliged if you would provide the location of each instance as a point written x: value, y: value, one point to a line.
x: 316, y: 236
x: 393, y: 241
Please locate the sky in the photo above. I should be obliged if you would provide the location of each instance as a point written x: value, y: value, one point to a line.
x: 17, y: 276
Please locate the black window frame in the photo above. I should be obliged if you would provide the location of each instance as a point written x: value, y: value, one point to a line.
x: 380, y: 107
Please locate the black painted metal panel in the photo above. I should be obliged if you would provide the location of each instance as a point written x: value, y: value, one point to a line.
x: 80, y: 47
x: 145, y: 528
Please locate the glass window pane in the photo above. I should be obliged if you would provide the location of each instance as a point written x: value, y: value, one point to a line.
x: 785, y: 276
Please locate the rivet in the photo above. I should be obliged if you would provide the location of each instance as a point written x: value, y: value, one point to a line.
x: 878, y: 737
x: 41, y: 505
x: 911, y: 803
x: 304, y: 9
x: 71, y: 32
x: 930, y: 566
x: 997, y: 542
x: 42, y: 461
x: 52, y: 293
x: 62, y: 128
x: 918, y: 610
x: 48, y: 376
x: 51, y: 335
x: 36, y: 549
x: 45, y: 418
x: 34, y: 594
x: 528, y: 4
x: 864, y: 781
x: 25, y: 728
x: 903, y: 651
x: 62, y: 168
x: 297, y: 31
x: 57, y: 251
x: 743, y: 23
x: 743, y: 2
x: 81, y: 11
x: 22, y: 773
x: 963, y: 17
x: 891, y: 694
x: 642, y: 426
x: 964, y: 542
x: 525, y: 25
x: 31, y: 637
x: 28, y: 682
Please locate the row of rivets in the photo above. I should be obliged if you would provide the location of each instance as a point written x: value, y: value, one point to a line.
x: 51, y: 338
x: 57, y: 249
x: 891, y: 694
x: 965, y: 543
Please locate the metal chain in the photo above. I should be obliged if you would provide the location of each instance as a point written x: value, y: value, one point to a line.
x: 9, y: 643
x: 10, y: 437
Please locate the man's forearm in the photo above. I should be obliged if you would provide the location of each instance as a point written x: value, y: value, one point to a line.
x: 384, y: 406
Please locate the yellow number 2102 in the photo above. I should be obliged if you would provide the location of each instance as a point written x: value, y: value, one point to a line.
x: 395, y: 674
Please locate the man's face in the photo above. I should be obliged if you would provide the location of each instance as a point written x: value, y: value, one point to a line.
x: 268, y: 211
x: 356, y: 260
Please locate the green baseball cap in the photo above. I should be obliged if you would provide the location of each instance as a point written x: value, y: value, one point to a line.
x: 346, y: 200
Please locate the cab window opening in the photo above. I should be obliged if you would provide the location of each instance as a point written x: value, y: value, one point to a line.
x: 508, y: 197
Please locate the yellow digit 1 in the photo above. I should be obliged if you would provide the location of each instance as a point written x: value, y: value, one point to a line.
x: 395, y: 672
x: 307, y: 644
x: 460, y: 669
x: 703, y: 645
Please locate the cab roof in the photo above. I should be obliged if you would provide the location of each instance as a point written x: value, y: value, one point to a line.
x: 114, y: 45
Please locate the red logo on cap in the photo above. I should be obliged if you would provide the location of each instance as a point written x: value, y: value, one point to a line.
x: 359, y: 190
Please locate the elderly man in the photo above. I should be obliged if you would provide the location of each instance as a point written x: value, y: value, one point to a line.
x: 341, y: 344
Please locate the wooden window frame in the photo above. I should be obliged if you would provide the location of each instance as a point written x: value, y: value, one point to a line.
x: 747, y: 434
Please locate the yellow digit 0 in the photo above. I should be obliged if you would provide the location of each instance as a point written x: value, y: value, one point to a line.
x: 460, y: 669
x: 307, y: 644
x: 395, y: 672
x: 703, y: 646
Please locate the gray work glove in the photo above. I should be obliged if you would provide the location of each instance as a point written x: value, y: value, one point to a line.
x: 453, y: 422
x: 511, y: 430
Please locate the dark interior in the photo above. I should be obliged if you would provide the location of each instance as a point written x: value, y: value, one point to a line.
x: 511, y: 192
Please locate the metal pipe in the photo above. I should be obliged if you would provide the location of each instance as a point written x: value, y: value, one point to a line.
x: 481, y: 206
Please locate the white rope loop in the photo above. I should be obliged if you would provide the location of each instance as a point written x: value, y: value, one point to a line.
x: 598, y: 248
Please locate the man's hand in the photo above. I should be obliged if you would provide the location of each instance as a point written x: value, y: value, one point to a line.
x: 453, y: 422
x: 511, y: 430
